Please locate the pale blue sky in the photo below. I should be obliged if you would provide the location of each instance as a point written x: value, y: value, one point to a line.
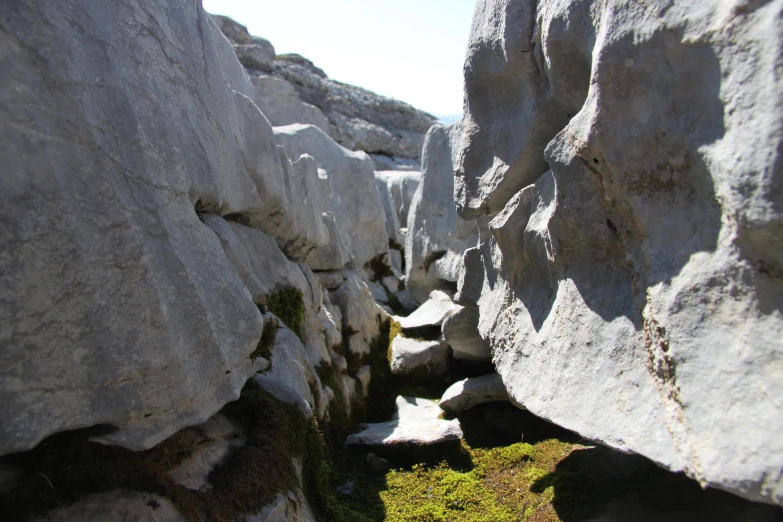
x: 411, y: 50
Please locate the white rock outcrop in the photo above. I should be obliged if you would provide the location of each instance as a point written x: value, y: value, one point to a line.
x: 632, y: 286
x: 417, y: 422
x: 413, y: 355
x: 349, y: 192
x: 118, y: 305
x: 436, y: 236
x: 470, y: 392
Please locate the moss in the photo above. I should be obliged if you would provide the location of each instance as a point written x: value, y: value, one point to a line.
x: 394, y: 245
x: 502, y: 485
x: 431, y: 258
x: 378, y: 267
x: 288, y: 305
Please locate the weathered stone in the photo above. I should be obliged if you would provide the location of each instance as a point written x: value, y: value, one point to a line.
x: 221, y: 434
x: 360, y: 313
x: 411, y: 355
x: 417, y: 422
x: 389, y: 210
x: 265, y: 270
x: 460, y: 330
x: 467, y: 393
x: 258, y: 55
x: 350, y: 188
x: 118, y: 306
x: 432, y: 313
x: 402, y: 186
x: 331, y: 280
x: 360, y: 119
x: 640, y: 274
x: 280, y: 103
x: 436, y: 237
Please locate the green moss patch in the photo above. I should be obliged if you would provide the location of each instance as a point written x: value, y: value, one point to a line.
x: 378, y: 267
x: 288, y: 305
x: 507, y: 484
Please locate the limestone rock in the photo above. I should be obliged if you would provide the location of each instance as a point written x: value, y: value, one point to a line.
x: 118, y: 305
x: 389, y: 210
x: 416, y: 422
x: 460, y: 330
x: 402, y: 187
x: 264, y: 269
x: 633, y: 292
x: 349, y: 187
x: 467, y: 393
x: 280, y: 103
x: 360, y: 119
x: 117, y: 506
x: 432, y: 313
x: 259, y: 55
x: 360, y: 313
x: 436, y: 237
x: 221, y: 434
x: 411, y: 355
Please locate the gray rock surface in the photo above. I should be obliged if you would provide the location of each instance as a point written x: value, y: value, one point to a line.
x: 467, y: 393
x: 402, y: 187
x: 359, y: 311
x: 280, y: 103
x: 460, y: 330
x: 417, y: 422
x: 221, y: 434
x: 436, y: 237
x: 349, y: 191
x: 412, y: 355
x: 633, y: 292
x: 432, y: 313
x: 118, y: 305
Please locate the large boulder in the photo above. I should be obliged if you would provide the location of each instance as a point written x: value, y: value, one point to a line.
x: 119, y: 306
x: 436, y: 237
x: 634, y: 292
x: 349, y: 189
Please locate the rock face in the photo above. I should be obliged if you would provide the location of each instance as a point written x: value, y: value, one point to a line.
x: 296, y: 91
x: 118, y: 305
x: 350, y: 194
x: 467, y: 393
x: 411, y: 355
x: 417, y: 422
x: 436, y: 237
x: 633, y: 291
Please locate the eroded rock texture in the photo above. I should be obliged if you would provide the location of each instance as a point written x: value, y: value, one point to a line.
x: 629, y: 154
x: 117, y: 305
x: 436, y: 237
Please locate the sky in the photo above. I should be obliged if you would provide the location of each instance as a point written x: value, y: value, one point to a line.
x: 411, y: 50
